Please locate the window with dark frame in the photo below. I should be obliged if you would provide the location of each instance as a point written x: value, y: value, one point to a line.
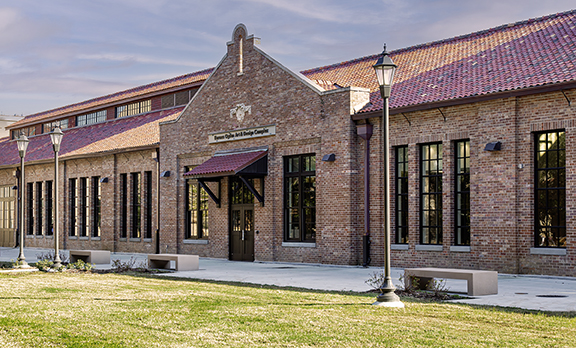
x: 91, y: 118
x: 96, y: 206
x: 148, y: 217
x: 123, y: 205
x: 197, y: 211
x: 136, y: 206
x: 72, y: 183
x: 550, y: 189
x: 300, y: 198
x: 28, y: 131
x: 49, y: 127
x: 39, y: 201
x: 49, y: 226
x: 134, y: 108
x: 402, y: 194
x: 462, y: 193
x: 30, y: 217
x: 84, y: 209
x: 431, y: 194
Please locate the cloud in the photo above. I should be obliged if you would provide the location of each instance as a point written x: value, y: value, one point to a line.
x: 329, y: 11
x: 17, y: 29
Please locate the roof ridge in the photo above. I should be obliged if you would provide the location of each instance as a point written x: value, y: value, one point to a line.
x: 442, y: 41
x: 129, y: 90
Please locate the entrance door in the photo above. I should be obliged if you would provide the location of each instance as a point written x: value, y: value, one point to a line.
x: 242, y: 233
x: 241, y: 221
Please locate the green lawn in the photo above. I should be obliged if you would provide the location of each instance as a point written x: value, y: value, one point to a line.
x: 111, y: 310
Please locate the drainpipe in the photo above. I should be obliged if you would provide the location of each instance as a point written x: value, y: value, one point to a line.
x: 18, y: 228
x: 365, y: 132
x: 158, y: 201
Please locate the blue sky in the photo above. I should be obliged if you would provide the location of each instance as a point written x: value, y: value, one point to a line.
x: 58, y: 52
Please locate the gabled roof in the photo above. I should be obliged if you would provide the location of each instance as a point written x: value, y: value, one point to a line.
x: 118, y: 134
x: 525, y: 54
x: 198, y: 76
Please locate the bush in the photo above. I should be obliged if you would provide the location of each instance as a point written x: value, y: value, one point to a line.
x: 81, y: 266
x: 49, y: 255
x: 47, y: 266
x: 437, y: 286
x: 119, y: 266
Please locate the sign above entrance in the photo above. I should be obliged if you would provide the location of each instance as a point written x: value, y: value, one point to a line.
x: 242, y: 134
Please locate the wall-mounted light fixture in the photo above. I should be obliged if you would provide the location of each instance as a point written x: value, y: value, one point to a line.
x: 329, y: 158
x: 493, y: 146
x: 104, y: 179
x: 165, y: 174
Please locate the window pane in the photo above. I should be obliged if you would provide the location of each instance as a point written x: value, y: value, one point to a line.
x: 550, y: 186
x: 431, y: 193
x: 300, y: 198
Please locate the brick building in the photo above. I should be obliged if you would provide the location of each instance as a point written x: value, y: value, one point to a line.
x: 251, y: 161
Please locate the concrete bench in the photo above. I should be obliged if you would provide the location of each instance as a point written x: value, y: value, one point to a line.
x: 479, y: 282
x: 182, y: 262
x: 90, y: 256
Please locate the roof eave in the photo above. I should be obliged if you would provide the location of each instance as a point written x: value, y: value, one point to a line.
x: 105, y: 105
x: 469, y: 100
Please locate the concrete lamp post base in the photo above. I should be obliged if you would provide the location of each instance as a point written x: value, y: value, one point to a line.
x: 388, y: 300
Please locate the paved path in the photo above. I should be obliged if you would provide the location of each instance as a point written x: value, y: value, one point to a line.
x: 545, y: 293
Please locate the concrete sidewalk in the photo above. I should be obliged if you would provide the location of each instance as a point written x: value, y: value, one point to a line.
x: 544, y: 293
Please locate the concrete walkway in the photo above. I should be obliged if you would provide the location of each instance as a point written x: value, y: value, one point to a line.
x: 544, y: 293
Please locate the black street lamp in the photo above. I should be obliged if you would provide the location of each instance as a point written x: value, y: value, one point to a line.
x: 385, y: 69
x: 56, y: 137
x: 22, y: 143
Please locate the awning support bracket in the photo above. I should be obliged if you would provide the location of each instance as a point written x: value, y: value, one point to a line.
x: 210, y: 193
x: 565, y: 96
x: 444, y: 116
x: 259, y: 197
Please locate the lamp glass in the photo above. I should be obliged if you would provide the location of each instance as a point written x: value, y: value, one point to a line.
x: 56, y: 136
x: 22, y: 144
x: 385, y: 69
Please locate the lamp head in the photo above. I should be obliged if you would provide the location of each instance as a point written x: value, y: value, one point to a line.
x: 56, y: 137
x: 22, y: 143
x: 385, y: 69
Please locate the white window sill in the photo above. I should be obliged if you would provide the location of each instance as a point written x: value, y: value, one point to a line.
x: 298, y: 245
x: 195, y: 241
x: 399, y: 246
x: 460, y: 248
x: 548, y: 251
x: 429, y: 247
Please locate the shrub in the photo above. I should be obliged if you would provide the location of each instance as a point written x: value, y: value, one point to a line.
x: 120, y: 266
x: 49, y: 255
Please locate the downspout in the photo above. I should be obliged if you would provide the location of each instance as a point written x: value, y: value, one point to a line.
x: 18, y: 227
x: 365, y: 132
x: 158, y: 201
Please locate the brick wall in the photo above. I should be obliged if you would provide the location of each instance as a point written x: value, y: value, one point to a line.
x: 306, y: 122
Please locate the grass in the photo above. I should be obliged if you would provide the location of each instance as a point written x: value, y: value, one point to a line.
x: 115, y: 310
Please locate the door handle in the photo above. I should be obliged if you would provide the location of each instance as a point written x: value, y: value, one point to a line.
x: 242, y: 234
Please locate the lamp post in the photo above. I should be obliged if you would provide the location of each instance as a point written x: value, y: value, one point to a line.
x: 22, y: 143
x: 56, y: 137
x: 385, y: 69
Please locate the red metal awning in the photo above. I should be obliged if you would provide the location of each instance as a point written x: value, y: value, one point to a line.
x: 248, y: 163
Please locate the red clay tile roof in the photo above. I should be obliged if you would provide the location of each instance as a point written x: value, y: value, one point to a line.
x: 224, y: 165
x: 531, y: 53
x: 118, y: 134
x: 198, y: 76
